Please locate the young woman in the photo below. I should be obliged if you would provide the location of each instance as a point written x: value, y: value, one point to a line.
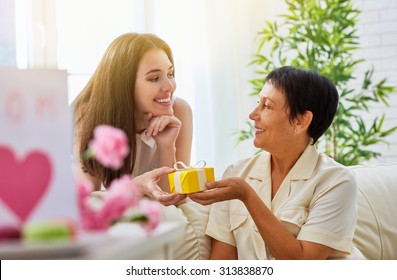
x: 133, y: 89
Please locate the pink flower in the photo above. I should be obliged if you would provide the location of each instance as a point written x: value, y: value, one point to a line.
x: 89, y: 217
x: 122, y: 194
x: 151, y: 209
x: 84, y: 188
x: 93, y: 221
x: 109, y: 146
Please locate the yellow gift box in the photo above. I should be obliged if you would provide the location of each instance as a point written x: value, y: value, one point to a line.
x: 190, y: 179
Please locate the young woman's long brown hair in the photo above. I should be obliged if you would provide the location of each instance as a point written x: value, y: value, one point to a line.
x: 108, y: 98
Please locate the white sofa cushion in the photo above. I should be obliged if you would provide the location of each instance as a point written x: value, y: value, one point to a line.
x: 195, y: 245
x: 376, y: 230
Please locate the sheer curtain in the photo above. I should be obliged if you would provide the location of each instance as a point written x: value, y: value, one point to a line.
x: 212, y: 42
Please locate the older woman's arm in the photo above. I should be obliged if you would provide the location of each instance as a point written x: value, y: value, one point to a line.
x: 222, y: 251
x: 279, y: 240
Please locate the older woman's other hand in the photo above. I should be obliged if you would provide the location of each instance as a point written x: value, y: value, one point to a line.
x: 147, y: 183
x: 221, y: 190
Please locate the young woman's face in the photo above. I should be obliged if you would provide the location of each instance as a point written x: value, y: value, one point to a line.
x: 155, y: 84
x: 273, y: 129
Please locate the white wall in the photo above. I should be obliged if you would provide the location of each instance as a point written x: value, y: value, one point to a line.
x: 377, y: 29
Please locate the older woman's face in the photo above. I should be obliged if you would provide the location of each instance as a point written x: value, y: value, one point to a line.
x: 273, y: 129
x: 155, y: 84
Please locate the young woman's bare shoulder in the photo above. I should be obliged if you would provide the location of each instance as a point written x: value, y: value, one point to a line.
x: 181, y: 107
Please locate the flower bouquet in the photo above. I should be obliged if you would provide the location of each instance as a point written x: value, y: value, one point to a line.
x: 123, y: 201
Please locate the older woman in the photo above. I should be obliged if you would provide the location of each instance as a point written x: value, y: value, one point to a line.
x: 290, y: 201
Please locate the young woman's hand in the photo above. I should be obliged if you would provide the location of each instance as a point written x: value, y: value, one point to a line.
x: 147, y: 183
x: 164, y: 129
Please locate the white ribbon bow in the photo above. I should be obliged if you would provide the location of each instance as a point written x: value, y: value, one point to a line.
x: 195, y: 166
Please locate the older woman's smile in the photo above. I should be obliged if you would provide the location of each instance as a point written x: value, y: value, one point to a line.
x: 258, y: 130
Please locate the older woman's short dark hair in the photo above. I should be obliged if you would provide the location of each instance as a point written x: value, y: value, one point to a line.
x: 307, y: 90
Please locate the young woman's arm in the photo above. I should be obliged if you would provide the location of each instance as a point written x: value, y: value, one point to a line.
x: 173, y: 135
x: 183, y: 145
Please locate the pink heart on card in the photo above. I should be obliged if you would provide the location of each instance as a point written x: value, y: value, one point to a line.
x: 23, y: 182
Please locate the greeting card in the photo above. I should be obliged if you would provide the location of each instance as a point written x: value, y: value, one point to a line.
x: 36, y: 178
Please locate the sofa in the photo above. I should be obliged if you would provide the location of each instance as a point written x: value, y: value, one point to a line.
x: 376, y: 229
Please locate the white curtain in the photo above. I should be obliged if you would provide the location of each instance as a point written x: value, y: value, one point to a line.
x: 213, y: 42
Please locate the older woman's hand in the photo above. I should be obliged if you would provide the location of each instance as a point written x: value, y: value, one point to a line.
x: 147, y: 183
x: 225, y: 189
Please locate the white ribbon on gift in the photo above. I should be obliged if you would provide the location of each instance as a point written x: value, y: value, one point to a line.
x: 202, y: 177
x: 195, y: 166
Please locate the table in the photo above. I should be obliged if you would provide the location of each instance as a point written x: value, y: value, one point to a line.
x: 124, y: 241
x: 128, y: 241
